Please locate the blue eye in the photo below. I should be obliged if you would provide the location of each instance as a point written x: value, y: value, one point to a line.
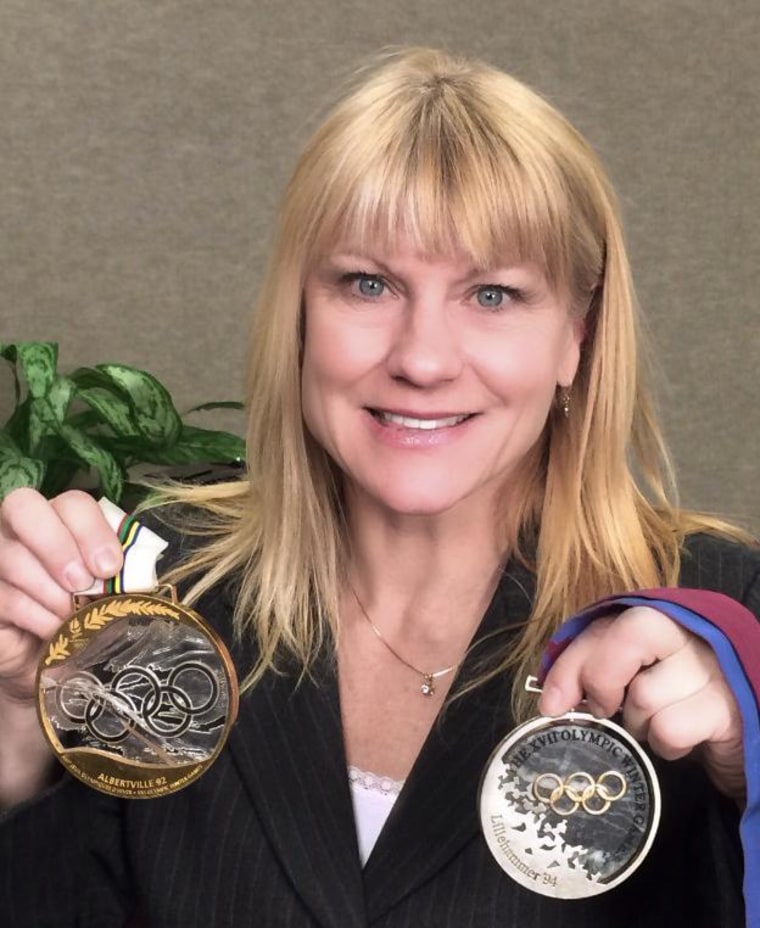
x: 369, y: 286
x: 491, y: 297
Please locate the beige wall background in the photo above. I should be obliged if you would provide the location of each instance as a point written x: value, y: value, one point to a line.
x: 144, y: 144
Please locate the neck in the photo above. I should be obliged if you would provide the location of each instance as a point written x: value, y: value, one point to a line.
x: 423, y: 577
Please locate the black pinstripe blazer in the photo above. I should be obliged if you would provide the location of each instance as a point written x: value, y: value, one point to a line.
x: 267, y: 837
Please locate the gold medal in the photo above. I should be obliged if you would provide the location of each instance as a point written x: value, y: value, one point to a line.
x: 569, y: 806
x: 136, y: 694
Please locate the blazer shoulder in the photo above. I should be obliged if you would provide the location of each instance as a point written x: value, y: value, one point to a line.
x: 714, y: 562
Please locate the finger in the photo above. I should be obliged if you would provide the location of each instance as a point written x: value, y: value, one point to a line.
x: 672, y: 680
x: 600, y: 663
x: 18, y: 664
x: 19, y: 610
x: 21, y: 569
x: 69, y: 536
x: 709, y: 715
x: 33, y: 521
x: 562, y: 688
x: 97, y: 541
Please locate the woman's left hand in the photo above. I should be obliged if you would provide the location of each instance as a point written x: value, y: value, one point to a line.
x: 668, y: 682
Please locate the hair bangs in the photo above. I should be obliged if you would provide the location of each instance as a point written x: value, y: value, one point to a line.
x: 444, y: 178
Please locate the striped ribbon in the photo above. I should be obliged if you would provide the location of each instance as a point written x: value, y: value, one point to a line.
x: 142, y: 549
x: 128, y: 531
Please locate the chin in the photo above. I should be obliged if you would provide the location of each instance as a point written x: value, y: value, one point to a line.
x: 424, y: 492
x: 416, y: 502
x: 416, y: 508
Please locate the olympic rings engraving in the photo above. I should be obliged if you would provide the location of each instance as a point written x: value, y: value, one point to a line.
x: 579, y: 790
x: 137, y: 698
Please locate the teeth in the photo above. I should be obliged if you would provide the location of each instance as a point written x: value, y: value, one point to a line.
x: 408, y: 422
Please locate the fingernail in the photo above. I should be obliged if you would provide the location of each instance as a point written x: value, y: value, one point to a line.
x: 106, y: 562
x: 77, y: 577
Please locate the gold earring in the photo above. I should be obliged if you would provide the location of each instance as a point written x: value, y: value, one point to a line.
x: 564, y: 401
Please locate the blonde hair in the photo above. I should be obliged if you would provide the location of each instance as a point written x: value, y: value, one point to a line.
x: 456, y: 154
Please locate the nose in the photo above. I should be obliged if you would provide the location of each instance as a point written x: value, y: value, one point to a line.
x: 426, y: 348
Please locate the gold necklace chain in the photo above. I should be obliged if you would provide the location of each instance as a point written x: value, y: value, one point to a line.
x: 427, y: 687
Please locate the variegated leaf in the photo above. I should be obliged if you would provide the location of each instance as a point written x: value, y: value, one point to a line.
x: 59, y: 396
x: 112, y: 408
x: 196, y: 444
x: 37, y: 361
x: 153, y: 410
x: 18, y: 472
x: 109, y: 471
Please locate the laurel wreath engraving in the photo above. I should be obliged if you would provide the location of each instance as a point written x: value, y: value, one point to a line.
x: 58, y: 650
x: 99, y: 617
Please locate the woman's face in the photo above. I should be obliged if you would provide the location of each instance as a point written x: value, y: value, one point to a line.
x: 426, y: 380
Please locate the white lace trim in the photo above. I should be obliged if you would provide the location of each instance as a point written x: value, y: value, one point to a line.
x: 373, y: 783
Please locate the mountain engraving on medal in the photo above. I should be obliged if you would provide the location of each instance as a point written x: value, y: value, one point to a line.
x: 146, y: 690
x: 136, y: 695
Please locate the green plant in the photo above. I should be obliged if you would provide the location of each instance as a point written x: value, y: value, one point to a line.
x: 97, y: 423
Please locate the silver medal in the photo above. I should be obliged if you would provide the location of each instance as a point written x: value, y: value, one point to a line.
x: 569, y: 806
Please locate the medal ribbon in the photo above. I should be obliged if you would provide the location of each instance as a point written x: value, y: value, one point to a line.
x: 733, y: 633
x: 142, y: 549
x: 129, y: 532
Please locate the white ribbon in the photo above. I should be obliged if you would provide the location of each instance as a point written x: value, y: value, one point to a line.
x: 142, y: 549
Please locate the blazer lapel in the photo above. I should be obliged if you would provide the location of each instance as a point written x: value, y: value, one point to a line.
x: 436, y: 813
x: 288, y: 748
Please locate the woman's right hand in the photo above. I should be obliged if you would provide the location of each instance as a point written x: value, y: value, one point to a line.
x: 48, y: 551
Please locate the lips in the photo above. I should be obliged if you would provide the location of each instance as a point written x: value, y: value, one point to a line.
x: 426, y: 423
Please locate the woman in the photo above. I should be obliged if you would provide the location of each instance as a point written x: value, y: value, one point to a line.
x: 446, y: 413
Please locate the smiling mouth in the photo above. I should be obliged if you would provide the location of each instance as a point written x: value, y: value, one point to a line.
x: 412, y: 422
